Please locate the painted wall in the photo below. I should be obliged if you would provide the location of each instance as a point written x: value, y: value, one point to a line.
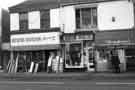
x: 68, y: 19
x: 115, y: 15
x: 111, y: 16
x: 0, y: 20
x: 14, y: 21
x: 55, y: 18
x: 34, y: 20
x: 5, y: 26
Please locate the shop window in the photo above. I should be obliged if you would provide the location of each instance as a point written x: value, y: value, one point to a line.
x: 45, y: 19
x: 91, y: 56
x: 86, y: 18
x: 23, y: 21
x: 73, y: 54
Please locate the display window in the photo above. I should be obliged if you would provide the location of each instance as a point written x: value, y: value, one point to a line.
x: 73, y: 56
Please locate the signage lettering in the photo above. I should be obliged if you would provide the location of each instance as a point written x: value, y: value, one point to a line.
x: 116, y: 41
x: 35, y: 39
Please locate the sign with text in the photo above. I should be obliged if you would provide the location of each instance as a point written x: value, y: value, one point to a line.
x: 116, y: 42
x: 35, y: 39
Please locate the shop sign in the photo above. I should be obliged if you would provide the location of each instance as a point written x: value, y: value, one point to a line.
x: 84, y: 37
x: 35, y: 39
x: 116, y: 42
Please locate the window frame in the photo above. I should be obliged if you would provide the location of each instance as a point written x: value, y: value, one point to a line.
x: 67, y: 54
x: 23, y: 21
x: 44, y: 20
x: 94, y: 5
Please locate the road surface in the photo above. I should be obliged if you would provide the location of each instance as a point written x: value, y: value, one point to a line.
x: 68, y: 85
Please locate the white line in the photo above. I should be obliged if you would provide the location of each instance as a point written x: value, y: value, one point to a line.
x: 24, y: 82
x: 115, y: 83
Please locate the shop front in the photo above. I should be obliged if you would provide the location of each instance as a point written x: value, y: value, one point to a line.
x: 31, y: 52
x: 79, y: 51
x: 118, y: 43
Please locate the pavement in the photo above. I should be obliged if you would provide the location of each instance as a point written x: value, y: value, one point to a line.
x: 67, y: 76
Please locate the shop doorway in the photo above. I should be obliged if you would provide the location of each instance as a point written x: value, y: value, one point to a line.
x: 89, y: 60
x: 73, y: 55
x: 130, y: 56
x: 105, y: 61
x: 25, y: 58
x: 42, y: 57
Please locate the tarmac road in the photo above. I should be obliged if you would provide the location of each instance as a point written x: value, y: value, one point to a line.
x: 68, y: 81
x: 68, y: 85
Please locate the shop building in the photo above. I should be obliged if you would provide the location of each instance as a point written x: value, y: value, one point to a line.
x: 68, y: 27
x: 34, y: 34
x: 115, y: 36
x: 121, y: 42
x: 87, y: 24
x: 41, y: 26
x: 4, y: 38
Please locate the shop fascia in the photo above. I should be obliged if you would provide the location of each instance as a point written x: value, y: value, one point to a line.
x: 117, y: 42
x: 35, y: 39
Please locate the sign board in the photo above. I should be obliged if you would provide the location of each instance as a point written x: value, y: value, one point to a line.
x: 84, y: 37
x: 116, y: 42
x: 115, y: 15
x: 35, y: 39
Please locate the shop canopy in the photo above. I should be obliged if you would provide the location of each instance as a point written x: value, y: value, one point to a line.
x: 7, y: 47
x: 115, y: 38
x: 35, y: 48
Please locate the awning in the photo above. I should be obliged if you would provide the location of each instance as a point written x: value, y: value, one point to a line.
x: 35, y: 48
x: 115, y: 38
x: 112, y: 46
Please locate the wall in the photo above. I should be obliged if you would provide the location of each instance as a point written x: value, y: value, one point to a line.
x: 0, y: 20
x: 4, y: 36
x: 34, y: 20
x: 115, y: 15
x: 5, y: 26
x: 55, y: 18
x: 68, y: 19
x: 14, y: 21
x: 111, y: 15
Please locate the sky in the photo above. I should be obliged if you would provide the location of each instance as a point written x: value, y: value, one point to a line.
x: 8, y: 3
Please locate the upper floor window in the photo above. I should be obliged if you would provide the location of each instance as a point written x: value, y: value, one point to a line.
x: 23, y: 21
x: 45, y: 19
x: 86, y: 18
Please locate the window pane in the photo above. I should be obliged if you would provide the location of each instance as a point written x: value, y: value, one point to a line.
x: 94, y: 17
x: 45, y: 19
x: 23, y: 16
x: 78, y: 18
x: 86, y: 18
x: 23, y: 21
x: 73, y: 54
x: 23, y: 25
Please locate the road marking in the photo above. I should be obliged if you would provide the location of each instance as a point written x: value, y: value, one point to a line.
x: 24, y: 82
x: 115, y: 83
